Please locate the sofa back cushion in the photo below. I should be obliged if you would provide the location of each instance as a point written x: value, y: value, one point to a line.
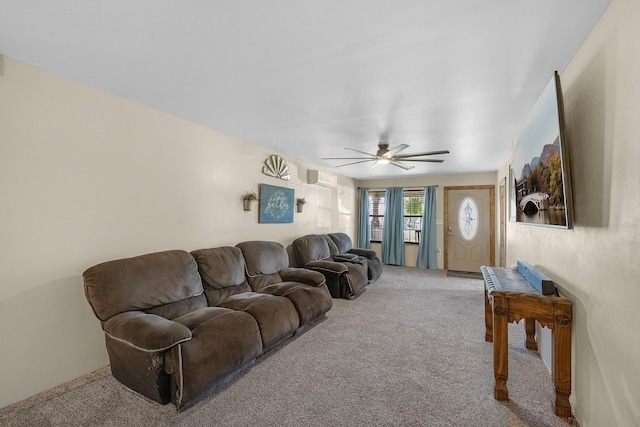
x: 141, y: 283
x: 342, y: 241
x: 223, y: 272
x: 312, y: 247
x: 264, y: 261
x: 333, y: 249
x: 264, y: 257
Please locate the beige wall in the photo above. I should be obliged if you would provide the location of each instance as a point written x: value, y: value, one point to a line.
x: 596, y: 264
x: 411, y: 250
x: 87, y: 177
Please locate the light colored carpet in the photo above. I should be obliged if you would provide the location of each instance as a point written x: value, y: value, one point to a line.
x: 410, y: 351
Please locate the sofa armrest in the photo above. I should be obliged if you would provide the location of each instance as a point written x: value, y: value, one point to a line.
x: 302, y: 275
x: 146, y: 332
x: 367, y: 253
x: 326, y: 266
x: 345, y: 258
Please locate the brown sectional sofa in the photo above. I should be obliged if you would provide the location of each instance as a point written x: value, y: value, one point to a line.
x: 180, y: 325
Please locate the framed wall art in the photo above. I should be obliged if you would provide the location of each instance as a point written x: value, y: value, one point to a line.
x: 276, y: 204
x: 542, y: 178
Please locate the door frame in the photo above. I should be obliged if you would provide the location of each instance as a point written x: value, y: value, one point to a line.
x: 503, y: 223
x: 492, y: 220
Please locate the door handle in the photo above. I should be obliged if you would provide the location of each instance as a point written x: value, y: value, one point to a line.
x: 450, y: 231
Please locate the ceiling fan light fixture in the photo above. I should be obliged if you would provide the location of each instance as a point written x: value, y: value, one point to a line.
x: 383, y: 161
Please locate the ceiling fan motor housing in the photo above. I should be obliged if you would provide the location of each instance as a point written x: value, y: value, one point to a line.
x: 383, y: 149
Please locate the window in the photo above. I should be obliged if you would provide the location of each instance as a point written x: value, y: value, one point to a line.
x: 413, y: 209
x: 376, y: 214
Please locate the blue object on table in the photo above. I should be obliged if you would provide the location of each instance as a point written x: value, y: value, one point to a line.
x: 538, y: 280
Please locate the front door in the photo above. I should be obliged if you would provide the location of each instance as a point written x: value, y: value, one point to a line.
x: 469, y: 227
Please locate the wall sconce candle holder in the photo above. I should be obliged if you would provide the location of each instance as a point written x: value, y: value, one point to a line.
x: 299, y: 204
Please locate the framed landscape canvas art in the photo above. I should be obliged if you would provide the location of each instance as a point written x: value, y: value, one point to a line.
x: 276, y: 204
x: 541, y: 176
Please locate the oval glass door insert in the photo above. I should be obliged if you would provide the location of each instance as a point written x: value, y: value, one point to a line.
x: 468, y: 218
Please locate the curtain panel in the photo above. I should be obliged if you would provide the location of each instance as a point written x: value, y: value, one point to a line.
x: 364, y: 237
x: 427, y: 249
x: 393, y: 235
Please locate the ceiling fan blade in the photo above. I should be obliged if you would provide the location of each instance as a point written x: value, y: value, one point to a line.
x: 374, y: 165
x: 423, y: 160
x: 426, y: 153
x: 354, y: 163
x: 347, y: 158
x: 361, y: 152
x: 396, y: 149
x: 400, y: 165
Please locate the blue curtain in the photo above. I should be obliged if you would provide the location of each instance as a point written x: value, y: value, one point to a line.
x: 393, y: 227
x: 427, y: 252
x: 364, y: 237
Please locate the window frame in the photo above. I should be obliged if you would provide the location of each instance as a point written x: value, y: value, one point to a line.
x: 416, y: 217
x: 410, y: 220
x: 379, y: 217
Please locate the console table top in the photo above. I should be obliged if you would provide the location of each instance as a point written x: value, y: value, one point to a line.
x: 510, y: 282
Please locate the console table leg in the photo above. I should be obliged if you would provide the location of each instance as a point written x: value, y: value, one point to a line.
x: 561, y: 371
x: 488, y: 318
x: 500, y: 348
x: 530, y: 326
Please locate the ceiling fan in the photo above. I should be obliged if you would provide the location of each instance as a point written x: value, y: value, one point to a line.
x: 384, y: 155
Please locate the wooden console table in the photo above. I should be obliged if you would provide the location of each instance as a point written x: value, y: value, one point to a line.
x: 509, y: 297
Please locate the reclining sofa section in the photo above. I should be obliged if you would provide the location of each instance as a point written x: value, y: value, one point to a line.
x: 346, y: 273
x: 179, y: 326
x: 344, y: 245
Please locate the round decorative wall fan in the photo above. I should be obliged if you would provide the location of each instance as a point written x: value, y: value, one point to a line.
x: 276, y: 167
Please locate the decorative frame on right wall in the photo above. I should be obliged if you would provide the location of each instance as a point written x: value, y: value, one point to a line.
x: 541, y: 176
x: 512, y: 194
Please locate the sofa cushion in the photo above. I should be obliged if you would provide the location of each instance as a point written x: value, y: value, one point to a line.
x: 258, y: 283
x: 223, y: 341
x: 178, y: 308
x: 263, y: 260
x: 342, y: 241
x: 262, y: 257
x: 312, y: 247
x: 333, y: 248
x: 196, y: 318
x: 311, y: 302
x: 141, y: 282
x: 223, y: 272
x: 276, y: 316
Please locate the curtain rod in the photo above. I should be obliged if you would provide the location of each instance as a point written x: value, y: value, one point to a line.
x: 404, y: 188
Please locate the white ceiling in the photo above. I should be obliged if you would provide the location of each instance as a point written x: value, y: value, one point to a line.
x: 308, y: 78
